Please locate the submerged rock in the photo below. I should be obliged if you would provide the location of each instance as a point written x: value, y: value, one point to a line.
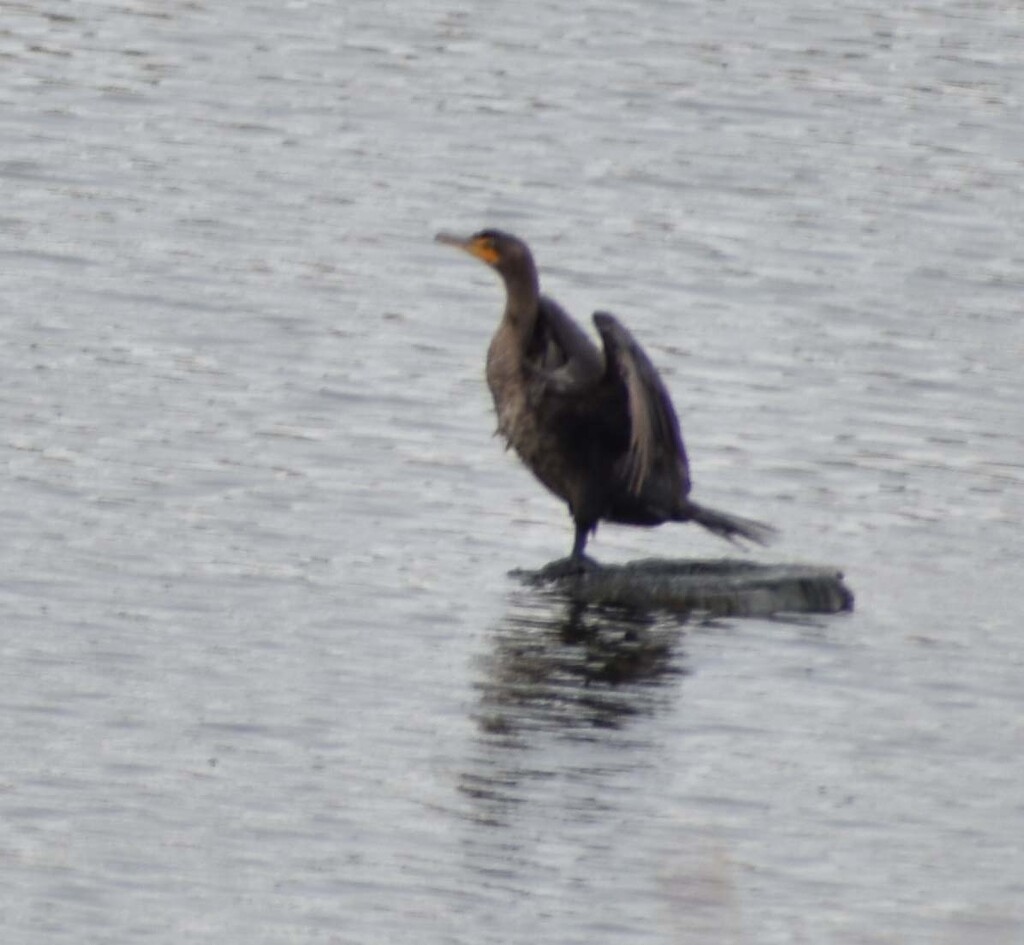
x: 722, y: 587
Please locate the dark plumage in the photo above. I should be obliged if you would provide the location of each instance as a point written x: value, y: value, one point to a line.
x: 598, y: 430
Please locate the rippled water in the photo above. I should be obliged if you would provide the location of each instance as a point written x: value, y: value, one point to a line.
x: 265, y: 677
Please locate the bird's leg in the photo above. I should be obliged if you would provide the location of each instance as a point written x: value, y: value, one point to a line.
x: 580, y: 541
x: 576, y: 564
x: 578, y: 561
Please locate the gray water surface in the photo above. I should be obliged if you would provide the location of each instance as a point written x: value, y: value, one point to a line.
x: 264, y: 675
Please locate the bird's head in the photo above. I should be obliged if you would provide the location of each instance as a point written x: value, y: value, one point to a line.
x: 508, y: 254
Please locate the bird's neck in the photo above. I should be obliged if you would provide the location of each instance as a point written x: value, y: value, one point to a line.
x: 522, y: 302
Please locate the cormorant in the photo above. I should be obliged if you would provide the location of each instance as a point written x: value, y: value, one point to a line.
x: 598, y: 431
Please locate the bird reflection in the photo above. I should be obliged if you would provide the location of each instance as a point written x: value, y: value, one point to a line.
x: 557, y: 663
x: 563, y: 669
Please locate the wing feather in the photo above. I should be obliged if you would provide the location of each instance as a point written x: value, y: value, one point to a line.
x: 562, y: 352
x: 654, y: 427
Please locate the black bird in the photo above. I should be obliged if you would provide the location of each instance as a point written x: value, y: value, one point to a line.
x: 599, y: 431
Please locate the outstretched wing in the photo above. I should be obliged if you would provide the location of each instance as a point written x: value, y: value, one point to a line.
x: 654, y: 428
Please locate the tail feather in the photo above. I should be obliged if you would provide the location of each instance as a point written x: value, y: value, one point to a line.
x: 729, y: 527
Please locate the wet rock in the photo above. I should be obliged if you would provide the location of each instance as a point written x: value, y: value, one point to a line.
x: 722, y: 587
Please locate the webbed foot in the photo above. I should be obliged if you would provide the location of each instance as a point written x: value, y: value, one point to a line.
x: 573, y: 566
